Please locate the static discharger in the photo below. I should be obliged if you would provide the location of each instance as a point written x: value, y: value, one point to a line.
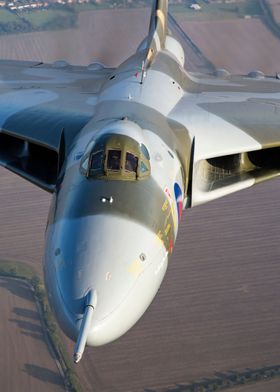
x: 85, y: 326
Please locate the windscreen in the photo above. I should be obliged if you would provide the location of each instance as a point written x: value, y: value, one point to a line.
x: 131, y: 162
x: 97, y: 160
x: 114, y: 160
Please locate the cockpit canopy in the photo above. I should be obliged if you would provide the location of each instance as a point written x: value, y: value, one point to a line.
x: 116, y: 157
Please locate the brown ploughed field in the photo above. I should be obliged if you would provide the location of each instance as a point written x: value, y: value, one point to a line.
x: 218, y: 308
x: 25, y: 361
x: 238, y: 45
x: 23, y: 217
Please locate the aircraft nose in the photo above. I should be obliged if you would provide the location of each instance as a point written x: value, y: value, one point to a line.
x: 116, y: 257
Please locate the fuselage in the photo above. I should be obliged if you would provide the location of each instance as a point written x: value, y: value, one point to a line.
x: 112, y: 231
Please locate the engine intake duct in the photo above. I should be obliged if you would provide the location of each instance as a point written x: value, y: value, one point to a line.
x: 219, y: 176
x: 32, y: 161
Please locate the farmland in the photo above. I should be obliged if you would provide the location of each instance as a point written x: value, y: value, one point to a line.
x: 59, y: 16
x: 22, y: 220
x: 22, y: 336
x: 237, y: 45
x: 50, y: 19
x: 46, y: 19
x: 218, y: 11
x: 217, y: 309
x: 83, y: 45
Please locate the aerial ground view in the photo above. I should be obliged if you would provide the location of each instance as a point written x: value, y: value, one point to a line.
x: 215, y: 322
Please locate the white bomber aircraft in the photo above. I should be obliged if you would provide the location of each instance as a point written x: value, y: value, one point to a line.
x: 124, y: 151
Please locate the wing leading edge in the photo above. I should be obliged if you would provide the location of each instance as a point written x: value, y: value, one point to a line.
x: 42, y: 108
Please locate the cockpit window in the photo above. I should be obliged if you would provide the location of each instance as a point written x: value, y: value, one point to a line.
x: 131, y: 162
x: 97, y: 160
x: 145, y: 151
x: 143, y: 168
x: 116, y: 157
x: 114, y: 160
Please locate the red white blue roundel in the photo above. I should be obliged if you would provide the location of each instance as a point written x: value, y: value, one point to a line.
x: 179, y: 200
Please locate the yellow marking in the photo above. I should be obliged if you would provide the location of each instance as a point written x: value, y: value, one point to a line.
x: 165, y: 205
x: 150, y: 54
x: 161, y: 17
x: 169, y: 213
x: 173, y: 214
x: 159, y: 237
x: 167, y: 217
x: 167, y: 229
x: 136, y: 268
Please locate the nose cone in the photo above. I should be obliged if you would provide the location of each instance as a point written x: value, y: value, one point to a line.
x: 122, y: 260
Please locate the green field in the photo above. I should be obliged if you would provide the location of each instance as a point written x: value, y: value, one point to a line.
x: 35, y: 20
x: 7, y: 16
x: 50, y: 19
x: 218, y: 11
x: 11, y: 22
x: 88, y: 7
x: 16, y: 269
